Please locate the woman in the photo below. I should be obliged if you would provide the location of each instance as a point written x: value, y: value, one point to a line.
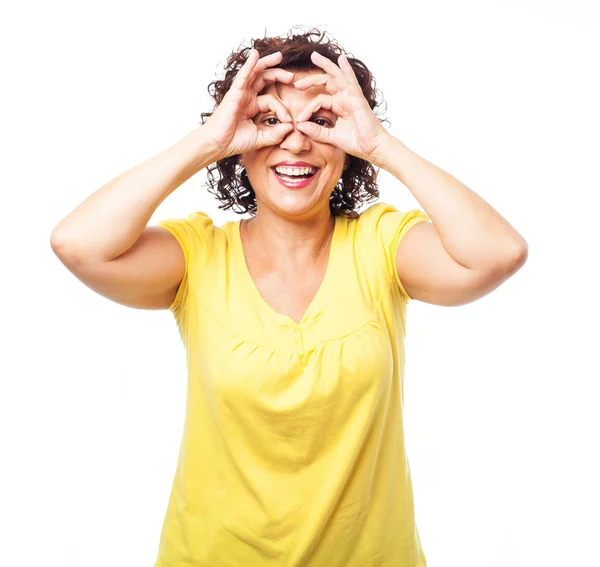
x: 293, y: 320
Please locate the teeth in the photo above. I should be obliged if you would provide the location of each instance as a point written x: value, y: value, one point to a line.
x: 295, y: 170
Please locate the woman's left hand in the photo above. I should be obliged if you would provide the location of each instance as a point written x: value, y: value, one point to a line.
x: 357, y: 130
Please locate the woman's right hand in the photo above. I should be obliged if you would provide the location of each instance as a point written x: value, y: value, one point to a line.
x: 231, y: 129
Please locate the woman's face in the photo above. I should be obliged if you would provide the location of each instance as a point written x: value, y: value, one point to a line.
x: 303, y: 202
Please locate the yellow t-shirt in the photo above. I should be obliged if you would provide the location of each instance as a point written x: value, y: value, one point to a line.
x: 293, y: 450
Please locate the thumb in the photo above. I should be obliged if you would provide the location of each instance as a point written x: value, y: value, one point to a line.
x: 275, y: 134
x: 314, y: 131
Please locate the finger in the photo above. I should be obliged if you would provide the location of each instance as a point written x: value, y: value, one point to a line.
x: 311, y: 80
x: 320, y: 101
x: 270, y: 76
x: 348, y: 70
x: 329, y: 66
x: 261, y: 66
x: 253, y: 65
x: 268, y: 102
x: 273, y: 135
x: 242, y: 76
x: 268, y: 60
x: 315, y: 80
x: 315, y: 132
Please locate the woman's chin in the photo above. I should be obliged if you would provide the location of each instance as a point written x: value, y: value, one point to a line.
x: 296, y: 203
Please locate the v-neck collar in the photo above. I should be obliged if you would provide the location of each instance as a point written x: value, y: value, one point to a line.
x: 315, y: 306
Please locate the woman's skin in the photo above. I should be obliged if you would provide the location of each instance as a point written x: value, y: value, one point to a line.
x: 287, y: 243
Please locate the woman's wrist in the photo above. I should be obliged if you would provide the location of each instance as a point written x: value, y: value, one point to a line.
x: 202, y: 147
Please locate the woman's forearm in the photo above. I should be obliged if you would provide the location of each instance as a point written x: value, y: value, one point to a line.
x: 112, y: 218
x: 471, y: 231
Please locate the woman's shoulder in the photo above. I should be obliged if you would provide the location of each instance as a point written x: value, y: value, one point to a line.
x: 383, y: 217
x: 376, y: 210
x: 369, y: 219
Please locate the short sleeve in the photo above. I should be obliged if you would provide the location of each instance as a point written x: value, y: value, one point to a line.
x: 195, y: 236
x: 388, y: 226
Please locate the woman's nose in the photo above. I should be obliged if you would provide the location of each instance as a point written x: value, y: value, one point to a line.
x: 295, y: 139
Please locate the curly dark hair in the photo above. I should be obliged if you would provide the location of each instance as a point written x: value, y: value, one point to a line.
x: 358, y: 184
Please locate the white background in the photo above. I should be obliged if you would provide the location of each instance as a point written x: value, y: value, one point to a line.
x: 502, y: 394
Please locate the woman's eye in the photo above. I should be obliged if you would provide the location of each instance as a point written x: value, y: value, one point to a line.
x: 326, y: 122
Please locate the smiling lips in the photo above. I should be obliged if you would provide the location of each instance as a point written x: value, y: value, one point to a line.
x: 292, y: 183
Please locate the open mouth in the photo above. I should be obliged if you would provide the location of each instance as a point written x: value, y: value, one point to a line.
x: 296, y: 181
